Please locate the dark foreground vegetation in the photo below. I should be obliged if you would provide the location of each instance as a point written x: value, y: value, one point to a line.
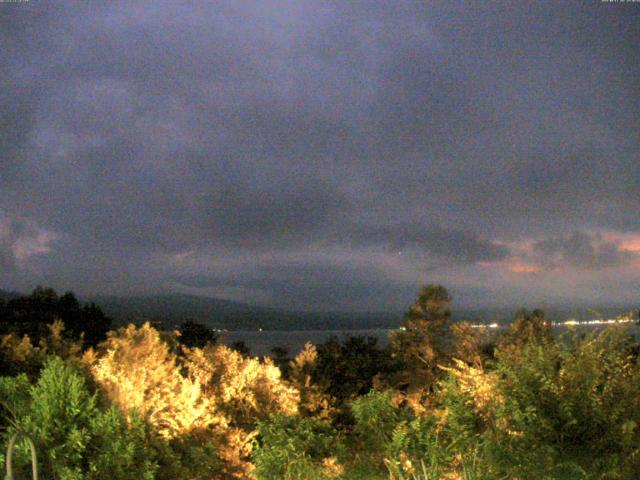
x: 442, y: 401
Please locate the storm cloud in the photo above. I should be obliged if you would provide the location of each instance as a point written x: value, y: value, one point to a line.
x: 442, y: 244
x: 583, y: 251
x: 300, y: 151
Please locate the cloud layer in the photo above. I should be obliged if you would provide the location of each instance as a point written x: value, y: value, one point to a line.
x: 321, y: 155
x: 581, y: 250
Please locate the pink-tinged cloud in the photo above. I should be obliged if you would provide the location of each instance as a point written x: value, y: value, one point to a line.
x: 21, y: 239
x: 580, y: 250
x: 513, y: 264
x: 38, y: 244
x: 522, y: 268
x: 626, y: 241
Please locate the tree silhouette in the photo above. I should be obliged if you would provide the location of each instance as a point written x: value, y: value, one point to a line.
x: 422, y: 342
x: 31, y: 315
x: 193, y: 334
x: 527, y: 327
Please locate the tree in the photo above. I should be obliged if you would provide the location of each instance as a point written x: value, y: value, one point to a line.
x: 241, y: 347
x: 95, y: 324
x: 31, y: 315
x: 528, y: 327
x: 345, y: 370
x: 469, y: 344
x: 193, y: 334
x: 281, y: 359
x: 422, y: 341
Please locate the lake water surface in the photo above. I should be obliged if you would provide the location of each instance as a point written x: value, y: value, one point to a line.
x: 261, y: 343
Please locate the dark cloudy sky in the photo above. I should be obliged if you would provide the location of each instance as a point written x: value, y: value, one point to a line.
x: 322, y: 155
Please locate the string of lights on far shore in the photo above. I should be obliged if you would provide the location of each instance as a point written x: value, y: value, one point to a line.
x: 569, y: 323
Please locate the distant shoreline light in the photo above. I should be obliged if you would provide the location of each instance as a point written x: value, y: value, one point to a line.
x: 568, y: 323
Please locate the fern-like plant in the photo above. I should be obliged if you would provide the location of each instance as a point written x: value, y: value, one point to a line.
x: 9, y: 458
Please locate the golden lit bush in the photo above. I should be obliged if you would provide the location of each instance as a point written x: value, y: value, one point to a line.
x: 479, y: 385
x: 137, y: 372
x: 245, y: 389
x: 16, y: 350
x: 20, y: 355
x: 314, y: 401
x: 214, y: 394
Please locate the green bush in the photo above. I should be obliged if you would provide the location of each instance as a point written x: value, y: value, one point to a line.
x: 376, y: 420
x: 376, y: 416
x: 392, y: 439
x: 564, y: 410
x: 118, y: 450
x: 74, y: 439
x: 570, y: 410
x: 297, y: 448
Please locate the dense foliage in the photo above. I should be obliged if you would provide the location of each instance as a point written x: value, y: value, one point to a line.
x: 30, y: 315
x: 442, y: 401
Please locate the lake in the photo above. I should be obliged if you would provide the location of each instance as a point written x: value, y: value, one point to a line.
x: 261, y: 343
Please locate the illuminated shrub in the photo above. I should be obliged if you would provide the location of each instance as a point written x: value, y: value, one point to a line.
x: 20, y: 355
x: 314, y: 401
x: 245, y: 389
x: 138, y: 373
x: 208, y: 400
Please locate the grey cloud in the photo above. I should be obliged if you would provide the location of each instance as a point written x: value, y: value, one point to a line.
x: 327, y: 287
x: 332, y: 286
x: 451, y: 245
x: 142, y: 129
x: 7, y: 260
x: 583, y: 251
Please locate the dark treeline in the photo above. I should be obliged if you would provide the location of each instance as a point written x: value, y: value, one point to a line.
x: 443, y: 400
x: 31, y: 315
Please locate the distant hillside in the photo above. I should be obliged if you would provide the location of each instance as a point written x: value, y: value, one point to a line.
x: 6, y: 295
x: 224, y: 314
x: 173, y: 309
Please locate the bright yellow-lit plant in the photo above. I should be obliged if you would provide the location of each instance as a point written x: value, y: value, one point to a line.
x: 245, y: 390
x: 136, y: 370
x: 214, y: 393
x: 314, y: 401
